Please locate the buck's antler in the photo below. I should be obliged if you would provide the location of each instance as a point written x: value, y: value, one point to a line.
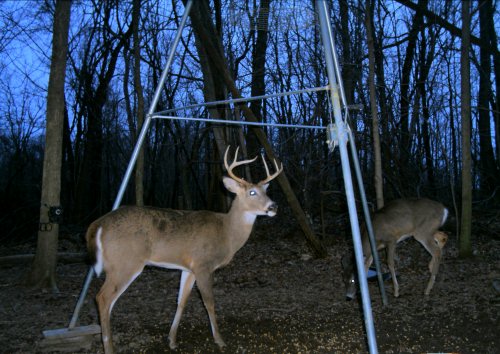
x: 274, y: 175
x: 234, y: 164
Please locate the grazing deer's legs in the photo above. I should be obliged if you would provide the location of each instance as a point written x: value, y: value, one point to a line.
x: 368, y: 262
x: 391, y: 251
x: 187, y: 281
x: 114, y: 285
x: 434, y: 246
x: 204, y: 283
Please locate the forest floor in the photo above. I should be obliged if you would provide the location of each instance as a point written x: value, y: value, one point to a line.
x: 274, y: 297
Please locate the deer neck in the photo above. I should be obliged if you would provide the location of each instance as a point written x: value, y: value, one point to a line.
x: 239, y: 225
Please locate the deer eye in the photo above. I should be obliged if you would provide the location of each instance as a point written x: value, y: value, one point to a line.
x: 252, y: 192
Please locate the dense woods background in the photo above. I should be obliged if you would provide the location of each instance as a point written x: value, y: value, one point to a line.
x: 117, y: 51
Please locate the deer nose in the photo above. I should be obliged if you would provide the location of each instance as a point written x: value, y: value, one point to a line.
x: 273, y: 207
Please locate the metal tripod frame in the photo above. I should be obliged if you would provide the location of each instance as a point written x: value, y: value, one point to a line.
x: 338, y: 132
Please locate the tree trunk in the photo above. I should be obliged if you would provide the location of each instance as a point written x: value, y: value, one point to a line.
x: 213, y: 90
x: 405, y: 139
x: 488, y: 168
x: 425, y: 63
x: 43, y: 270
x: 349, y: 77
x: 222, y: 68
x: 496, y: 99
x: 465, y: 247
x: 139, y: 166
x: 258, y: 73
x: 378, y: 180
x: 386, y: 111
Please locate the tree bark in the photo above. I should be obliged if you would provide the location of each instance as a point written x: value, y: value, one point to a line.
x: 43, y: 269
x: 425, y: 63
x: 377, y: 179
x: 488, y: 168
x: 139, y: 166
x: 496, y: 100
x: 465, y: 247
x: 349, y: 77
x: 405, y: 139
x: 385, y: 104
x: 258, y: 72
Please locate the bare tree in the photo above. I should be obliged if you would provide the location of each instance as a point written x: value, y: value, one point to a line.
x: 94, y: 75
x: 258, y: 70
x: 139, y: 167
x: 406, y: 73
x: 465, y: 248
x: 42, y: 272
x: 488, y: 168
x: 378, y: 179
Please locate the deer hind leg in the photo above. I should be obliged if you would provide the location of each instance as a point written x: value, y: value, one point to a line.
x: 391, y: 252
x: 434, y: 246
x: 186, y: 284
x: 114, y: 285
x: 204, y: 283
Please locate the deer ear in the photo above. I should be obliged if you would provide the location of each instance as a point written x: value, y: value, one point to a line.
x: 231, y: 185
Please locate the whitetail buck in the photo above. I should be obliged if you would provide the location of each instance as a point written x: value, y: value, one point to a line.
x: 398, y: 220
x: 124, y: 241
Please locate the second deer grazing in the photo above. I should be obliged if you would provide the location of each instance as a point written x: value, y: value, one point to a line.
x: 124, y: 241
x: 398, y: 220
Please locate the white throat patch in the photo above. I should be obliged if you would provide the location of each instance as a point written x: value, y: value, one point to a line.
x: 249, y: 217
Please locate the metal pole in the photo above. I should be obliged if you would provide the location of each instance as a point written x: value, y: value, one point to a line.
x: 326, y: 36
x: 243, y: 99
x: 239, y: 122
x: 368, y: 221
x: 357, y: 169
x: 135, y: 153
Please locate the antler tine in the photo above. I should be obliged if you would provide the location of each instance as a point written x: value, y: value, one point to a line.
x: 234, y: 164
x: 274, y: 175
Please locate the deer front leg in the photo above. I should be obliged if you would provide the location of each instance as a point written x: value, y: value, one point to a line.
x: 204, y: 283
x: 433, y: 268
x: 434, y: 246
x: 186, y: 284
x: 391, y: 251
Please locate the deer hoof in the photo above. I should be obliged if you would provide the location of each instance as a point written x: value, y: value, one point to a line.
x: 220, y: 343
x: 172, y: 343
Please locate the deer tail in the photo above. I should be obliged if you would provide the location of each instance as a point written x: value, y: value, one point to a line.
x: 445, y: 216
x: 94, y: 246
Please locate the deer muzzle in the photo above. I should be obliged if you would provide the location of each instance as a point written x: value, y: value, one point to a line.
x: 272, y: 209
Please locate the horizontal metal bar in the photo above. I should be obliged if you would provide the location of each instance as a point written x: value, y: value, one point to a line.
x: 238, y: 122
x: 244, y: 99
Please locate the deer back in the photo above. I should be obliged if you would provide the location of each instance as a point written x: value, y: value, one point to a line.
x: 403, y: 218
x: 159, y: 236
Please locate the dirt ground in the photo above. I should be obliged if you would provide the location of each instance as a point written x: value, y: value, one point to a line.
x: 274, y: 297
